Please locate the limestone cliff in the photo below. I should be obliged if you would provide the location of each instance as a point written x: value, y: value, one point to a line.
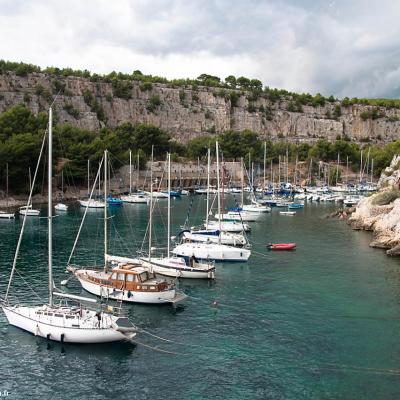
x: 187, y: 112
x: 381, y: 211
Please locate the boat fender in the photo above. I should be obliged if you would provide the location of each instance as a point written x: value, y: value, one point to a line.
x: 48, y: 336
x: 62, y: 337
x: 37, y: 330
x: 129, y: 294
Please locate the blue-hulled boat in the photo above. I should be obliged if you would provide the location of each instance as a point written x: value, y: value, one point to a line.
x: 295, y: 206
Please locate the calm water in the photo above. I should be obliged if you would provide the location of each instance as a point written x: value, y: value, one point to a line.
x: 322, y: 322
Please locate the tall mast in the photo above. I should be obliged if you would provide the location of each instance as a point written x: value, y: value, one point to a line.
x: 337, y: 168
x: 169, y: 203
x: 208, y: 185
x: 7, y: 185
x: 130, y: 171
x: 151, y: 202
x: 62, y: 184
x: 218, y: 192
x: 347, y: 170
x: 50, y: 206
x: 105, y: 209
x: 30, y: 179
x: 265, y: 160
x: 271, y: 179
x: 372, y: 169
x: 279, y: 171
x: 88, y: 178
x: 287, y: 165
x: 361, y: 165
x: 242, y: 179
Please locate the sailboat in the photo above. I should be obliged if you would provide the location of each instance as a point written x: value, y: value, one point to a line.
x: 173, y: 266
x: 28, y: 209
x: 91, y: 203
x: 128, y: 280
x: 138, y: 197
x: 61, y: 206
x: 212, y: 251
x: 62, y: 323
x: 5, y: 214
x: 213, y: 235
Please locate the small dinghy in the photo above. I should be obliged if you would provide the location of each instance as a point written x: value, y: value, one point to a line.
x: 290, y: 213
x: 281, y: 246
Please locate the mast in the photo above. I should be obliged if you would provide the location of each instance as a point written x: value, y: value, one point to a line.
x: 151, y: 201
x: 105, y: 209
x: 337, y: 168
x: 287, y: 164
x: 265, y: 160
x: 62, y: 184
x: 88, y: 179
x: 130, y: 171
x: 7, y: 185
x: 242, y: 180
x: 279, y: 171
x: 347, y: 171
x: 30, y: 179
x: 361, y: 165
x: 50, y: 206
x: 208, y: 185
x: 169, y: 204
x: 219, y: 194
x: 372, y: 169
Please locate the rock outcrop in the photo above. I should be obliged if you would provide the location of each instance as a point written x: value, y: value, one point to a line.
x: 187, y: 112
x: 380, y: 212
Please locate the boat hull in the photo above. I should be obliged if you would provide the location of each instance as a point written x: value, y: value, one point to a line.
x: 25, y: 318
x: 167, y: 296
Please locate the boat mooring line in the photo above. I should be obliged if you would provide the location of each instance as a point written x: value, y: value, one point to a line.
x: 157, y: 349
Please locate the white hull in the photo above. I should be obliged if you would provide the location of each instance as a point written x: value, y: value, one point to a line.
x: 211, y: 251
x: 91, y: 203
x: 134, y: 198
x: 225, y: 238
x: 288, y: 213
x: 232, y: 226
x: 29, y: 213
x: 126, y: 295
x: 175, y: 267
x: 61, y: 207
x: 61, y: 329
x: 238, y: 216
x: 5, y: 215
x: 158, y: 195
x: 252, y: 208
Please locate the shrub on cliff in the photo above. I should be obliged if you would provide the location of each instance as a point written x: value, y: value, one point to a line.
x: 381, y: 199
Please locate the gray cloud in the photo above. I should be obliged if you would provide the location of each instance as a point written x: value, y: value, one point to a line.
x: 345, y: 48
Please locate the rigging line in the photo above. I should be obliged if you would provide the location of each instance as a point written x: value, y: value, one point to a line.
x: 157, y: 349
x: 24, y: 221
x: 27, y: 284
x: 86, y: 210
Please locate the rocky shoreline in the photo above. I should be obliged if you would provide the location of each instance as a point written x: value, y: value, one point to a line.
x: 380, y: 213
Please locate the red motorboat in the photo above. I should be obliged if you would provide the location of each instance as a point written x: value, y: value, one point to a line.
x: 281, y: 246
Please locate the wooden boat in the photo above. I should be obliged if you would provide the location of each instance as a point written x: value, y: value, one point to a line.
x: 281, y: 246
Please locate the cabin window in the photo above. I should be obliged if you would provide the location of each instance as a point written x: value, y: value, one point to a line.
x: 138, y: 287
x: 143, y: 277
x: 114, y: 276
x: 58, y: 315
x: 152, y: 287
x: 129, y: 278
x: 144, y: 287
x: 121, y: 277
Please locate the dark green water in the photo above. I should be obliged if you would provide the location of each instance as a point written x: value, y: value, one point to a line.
x: 322, y: 322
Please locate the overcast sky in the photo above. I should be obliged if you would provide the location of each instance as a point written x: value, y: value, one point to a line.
x: 342, y: 47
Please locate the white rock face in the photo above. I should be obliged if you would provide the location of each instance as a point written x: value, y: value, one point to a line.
x: 383, y: 220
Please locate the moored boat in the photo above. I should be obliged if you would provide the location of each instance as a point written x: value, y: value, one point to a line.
x: 281, y: 246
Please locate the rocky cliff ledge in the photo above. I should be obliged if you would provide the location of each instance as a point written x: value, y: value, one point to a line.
x: 380, y: 212
x: 187, y: 111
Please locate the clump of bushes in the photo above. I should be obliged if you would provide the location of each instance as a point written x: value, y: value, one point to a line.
x: 384, y: 198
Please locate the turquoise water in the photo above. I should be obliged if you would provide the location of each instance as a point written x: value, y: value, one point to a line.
x: 322, y: 322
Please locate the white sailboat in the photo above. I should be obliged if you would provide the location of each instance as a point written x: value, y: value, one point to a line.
x: 134, y: 198
x: 213, y: 251
x: 63, y: 323
x: 6, y: 214
x: 174, y: 266
x: 61, y: 206
x: 129, y: 279
x: 91, y: 203
x: 28, y: 210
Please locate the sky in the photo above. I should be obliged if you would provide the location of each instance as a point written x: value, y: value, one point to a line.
x: 339, y: 47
